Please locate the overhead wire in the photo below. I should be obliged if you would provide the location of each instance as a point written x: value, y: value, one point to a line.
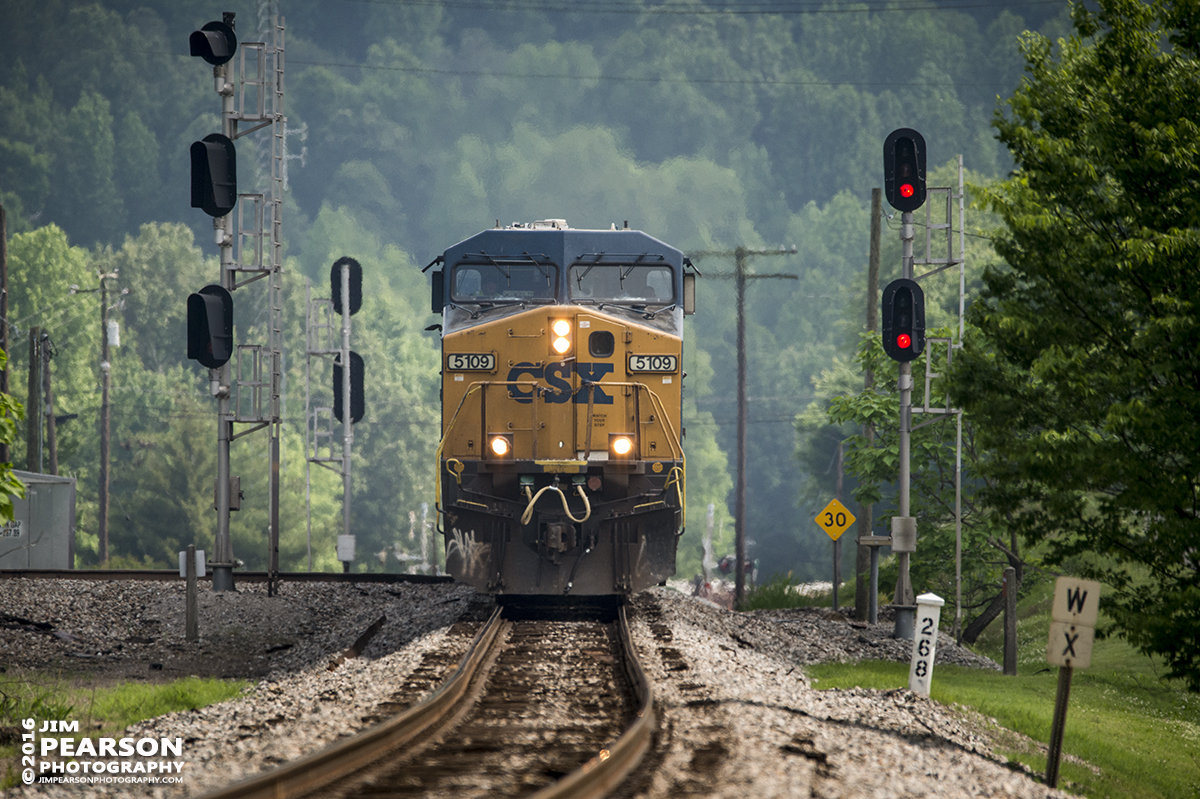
x: 480, y: 73
x: 701, y: 9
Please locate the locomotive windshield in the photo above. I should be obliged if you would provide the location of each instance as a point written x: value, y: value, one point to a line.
x: 635, y: 285
x: 504, y: 282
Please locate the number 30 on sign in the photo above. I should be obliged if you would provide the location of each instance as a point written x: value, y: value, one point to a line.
x: 835, y: 519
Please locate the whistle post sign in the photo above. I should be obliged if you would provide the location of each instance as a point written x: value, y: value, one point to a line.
x: 1072, y: 627
x: 1073, y: 622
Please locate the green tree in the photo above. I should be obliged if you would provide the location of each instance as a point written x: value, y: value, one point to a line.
x: 49, y: 284
x: 874, y: 463
x: 11, y: 412
x: 1083, y: 380
x: 85, y: 189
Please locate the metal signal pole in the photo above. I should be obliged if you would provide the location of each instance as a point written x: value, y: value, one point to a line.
x: 904, y: 599
x: 740, y: 276
x: 222, y: 564
x: 347, y: 413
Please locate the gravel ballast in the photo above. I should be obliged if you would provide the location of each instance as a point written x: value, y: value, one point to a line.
x: 738, y: 716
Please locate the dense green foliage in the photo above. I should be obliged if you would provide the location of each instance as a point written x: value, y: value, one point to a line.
x: 707, y: 125
x: 1083, y: 381
x: 11, y: 412
x: 987, y: 547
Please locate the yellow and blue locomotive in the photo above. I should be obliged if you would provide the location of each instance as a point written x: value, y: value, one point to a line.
x: 561, y: 467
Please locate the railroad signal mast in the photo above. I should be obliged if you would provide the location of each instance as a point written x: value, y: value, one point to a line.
x: 245, y: 379
x: 904, y: 340
x: 327, y: 339
x: 903, y: 311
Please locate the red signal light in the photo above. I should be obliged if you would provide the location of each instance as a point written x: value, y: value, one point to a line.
x: 903, y: 341
x: 906, y: 190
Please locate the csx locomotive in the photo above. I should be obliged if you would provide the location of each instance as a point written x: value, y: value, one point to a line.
x: 561, y: 467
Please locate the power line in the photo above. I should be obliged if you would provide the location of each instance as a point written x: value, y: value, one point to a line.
x: 740, y: 9
x: 480, y: 73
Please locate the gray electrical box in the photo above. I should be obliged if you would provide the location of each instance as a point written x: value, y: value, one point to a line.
x: 41, y: 534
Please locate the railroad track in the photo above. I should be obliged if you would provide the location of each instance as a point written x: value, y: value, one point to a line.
x: 168, y: 575
x: 546, y: 709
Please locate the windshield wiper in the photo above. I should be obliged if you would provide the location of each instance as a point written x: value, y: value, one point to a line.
x: 637, y: 309
x: 653, y: 314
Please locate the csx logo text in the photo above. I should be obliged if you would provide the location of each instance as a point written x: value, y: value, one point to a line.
x: 557, y: 376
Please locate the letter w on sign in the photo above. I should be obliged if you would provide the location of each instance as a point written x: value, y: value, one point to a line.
x: 1076, y: 601
x: 1076, y: 604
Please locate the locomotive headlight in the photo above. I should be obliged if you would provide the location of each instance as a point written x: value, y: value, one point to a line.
x: 620, y: 446
x: 500, y: 445
x: 560, y: 340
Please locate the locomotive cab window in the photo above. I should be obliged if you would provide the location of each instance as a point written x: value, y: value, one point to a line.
x: 503, y: 283
x: 625, y: 284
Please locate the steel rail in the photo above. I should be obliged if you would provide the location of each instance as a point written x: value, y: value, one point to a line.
x: 593, y: 780
x: 604, y: 772
x: 168, y: 575
x: 320, y: 769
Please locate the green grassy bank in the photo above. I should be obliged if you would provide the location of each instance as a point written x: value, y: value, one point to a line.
x: 1129, y: 733
x: 101, y: 712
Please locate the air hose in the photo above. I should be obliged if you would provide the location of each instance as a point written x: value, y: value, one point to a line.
x: 528, y: 514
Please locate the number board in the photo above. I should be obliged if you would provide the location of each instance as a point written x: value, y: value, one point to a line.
x: 653, y: 363
x: 835, y: 519
x: 471, y: 361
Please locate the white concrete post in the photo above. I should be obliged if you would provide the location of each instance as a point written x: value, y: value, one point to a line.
x: 920, y: 672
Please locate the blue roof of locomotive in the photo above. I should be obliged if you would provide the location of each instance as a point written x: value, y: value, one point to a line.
x: 564, y: 247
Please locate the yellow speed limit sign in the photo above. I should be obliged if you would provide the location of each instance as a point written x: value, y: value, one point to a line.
x: 835, y: 519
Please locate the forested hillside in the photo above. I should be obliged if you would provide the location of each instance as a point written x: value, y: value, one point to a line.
x: 708, y: 125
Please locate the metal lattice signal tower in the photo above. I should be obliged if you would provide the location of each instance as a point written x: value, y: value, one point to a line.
x: 326, y: 338
x: 252, y: 250
x: 933, y: 229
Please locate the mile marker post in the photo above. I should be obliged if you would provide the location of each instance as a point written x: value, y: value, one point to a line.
x: 924, y: 650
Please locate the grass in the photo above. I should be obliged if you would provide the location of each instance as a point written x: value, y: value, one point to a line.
x: 101, y: 712
x: 1129, y: 733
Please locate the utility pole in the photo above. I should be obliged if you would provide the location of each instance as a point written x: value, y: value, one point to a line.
x: 105, y: 412
x: 33, y: 430
x: 51, y: 425
x: 740, y: 276
x: 5, y: 455
x: 862, y: 558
